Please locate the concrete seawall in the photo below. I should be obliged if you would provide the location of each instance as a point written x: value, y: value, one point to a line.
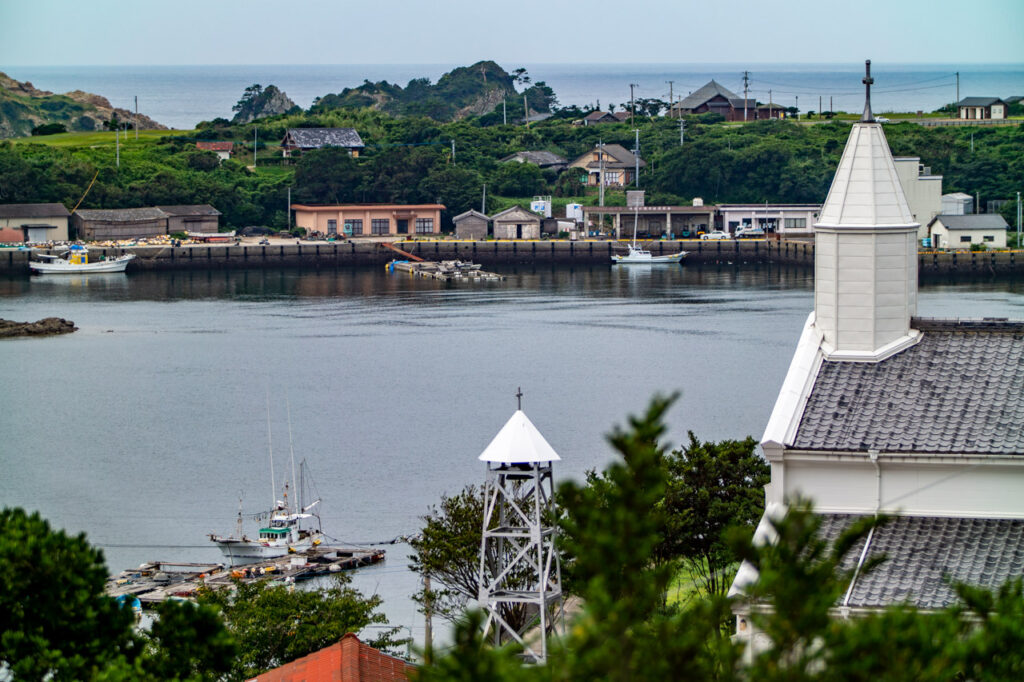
x: 489, y: 253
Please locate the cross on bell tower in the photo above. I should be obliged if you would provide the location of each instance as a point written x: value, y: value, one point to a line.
x: 868, y: 117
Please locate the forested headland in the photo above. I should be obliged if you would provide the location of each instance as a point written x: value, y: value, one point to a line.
x: 427, y: 143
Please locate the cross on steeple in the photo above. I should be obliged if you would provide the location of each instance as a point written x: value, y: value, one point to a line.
x: 868, y: 117
x: 519, y: 398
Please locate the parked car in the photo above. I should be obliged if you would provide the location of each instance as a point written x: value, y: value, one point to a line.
x: 717, y: 234
x: 882, y: 119
x: 750, y: 233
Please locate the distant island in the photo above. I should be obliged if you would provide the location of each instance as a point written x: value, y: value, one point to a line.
x: 26, y: 110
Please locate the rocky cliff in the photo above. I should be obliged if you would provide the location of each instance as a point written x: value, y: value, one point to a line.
x: 260, y: 103
x: 24, y: 107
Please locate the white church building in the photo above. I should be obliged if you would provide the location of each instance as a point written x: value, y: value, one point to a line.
x: 882, y: 411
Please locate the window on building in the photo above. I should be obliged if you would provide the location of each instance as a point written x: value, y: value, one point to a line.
x: 965, y: 238
x: 611, y: 178
x: 380, y: 226
x: 332, y: 227
x: 424, y: 226
x: 354, y: 226
x: 989, y: 237
x: 796, y: 223
x: 597, y: 157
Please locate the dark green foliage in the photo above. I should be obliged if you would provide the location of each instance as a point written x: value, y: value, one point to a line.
x: 49, y: 129
x: 713, y: 489
x: 273, y: 624
x: 55, y: 621
x: 189, y: 641
x: 469, y: 89
x: 514, y: 179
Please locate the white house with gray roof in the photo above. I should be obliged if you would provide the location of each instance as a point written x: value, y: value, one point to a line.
x: 885, y: 412
x: 964, y: 231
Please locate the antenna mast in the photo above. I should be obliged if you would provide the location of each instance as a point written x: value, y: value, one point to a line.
x: 291, y: 449
x: 746, y: 81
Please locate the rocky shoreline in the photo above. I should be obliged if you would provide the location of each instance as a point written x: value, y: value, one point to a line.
x: 47, y: 326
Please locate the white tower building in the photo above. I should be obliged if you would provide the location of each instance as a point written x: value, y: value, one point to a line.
x: 865, y: 262
x: 518, y: 502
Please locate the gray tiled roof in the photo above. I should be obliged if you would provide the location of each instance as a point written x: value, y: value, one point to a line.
x: 314, y: 138
x: 190, y: 209
x: 119, y: 215
x: 540, y: 158
x: 925, y: 554
x: 959, y: 390
x: 974, y: 221
x: 978, y: 101
x: 709, y: 91
x: 33, y: 211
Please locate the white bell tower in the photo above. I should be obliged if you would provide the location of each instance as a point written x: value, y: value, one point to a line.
x: 519, y: 510
x: 865, y: 255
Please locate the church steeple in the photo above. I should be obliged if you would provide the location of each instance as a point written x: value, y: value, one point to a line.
x: 865, y: 266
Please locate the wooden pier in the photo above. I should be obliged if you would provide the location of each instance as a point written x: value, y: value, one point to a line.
x: 157, y: 581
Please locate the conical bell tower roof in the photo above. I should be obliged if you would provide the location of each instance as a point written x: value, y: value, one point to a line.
x: 519, y: 442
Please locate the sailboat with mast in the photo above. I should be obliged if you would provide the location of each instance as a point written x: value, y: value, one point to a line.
x: 290, y: 526
x: 640, y: 256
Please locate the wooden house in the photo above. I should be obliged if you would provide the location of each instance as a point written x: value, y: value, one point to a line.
x: 516, y: 223
x: 471, y: 225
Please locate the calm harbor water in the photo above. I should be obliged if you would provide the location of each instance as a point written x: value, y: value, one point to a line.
x: 144, y: 428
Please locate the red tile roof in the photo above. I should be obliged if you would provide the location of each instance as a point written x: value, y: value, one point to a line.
x: 346, y: 661
x: 215, y: 146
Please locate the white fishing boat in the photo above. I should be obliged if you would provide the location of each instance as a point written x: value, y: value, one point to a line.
x: 289, y: 527
x: 639, y: 256
x: 75, y: 261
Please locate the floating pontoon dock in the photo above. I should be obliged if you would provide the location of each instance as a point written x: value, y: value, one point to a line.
x: 156, y: 581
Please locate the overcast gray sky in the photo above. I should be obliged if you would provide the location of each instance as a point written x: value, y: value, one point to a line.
x: 101, y: 32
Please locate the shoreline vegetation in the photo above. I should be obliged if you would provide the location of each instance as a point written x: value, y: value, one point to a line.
x: 444, y: 143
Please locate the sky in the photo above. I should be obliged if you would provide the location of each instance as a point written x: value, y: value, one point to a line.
x: 103, y: 32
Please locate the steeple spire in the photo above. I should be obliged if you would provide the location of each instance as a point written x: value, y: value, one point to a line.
x: 868, y: 117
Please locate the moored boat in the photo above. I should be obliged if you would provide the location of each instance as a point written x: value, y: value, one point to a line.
x: 76, y: 261
x: 637, y: 255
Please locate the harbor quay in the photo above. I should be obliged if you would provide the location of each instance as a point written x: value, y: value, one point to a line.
x: 315, y: 255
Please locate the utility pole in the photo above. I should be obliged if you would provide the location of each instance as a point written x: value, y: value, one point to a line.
x: 797, y: 107
x: 958, y: 86
x: 670, y: 99
x: 682, y: 131
x: 135, y: 122
x: 504, y: 116
x: 483, y: 202
x: 117, y: 147
x: 453, y: 152
x: 632, y: 103
x: 977, y: 202
x: 526, y: 112
x: 600, y: 177
x: 636, y: 158
x: 819, y: 106
x: 255, y: 143
x: 746, y: 82
x: 769, y: 102
x: 289, y: 209
x: 830, y: 105
x: 1018, y: 220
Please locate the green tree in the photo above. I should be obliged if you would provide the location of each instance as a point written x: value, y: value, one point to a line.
x: 712, y: 488
x: 273, y: 624
x: 448, y: 550
x: 55, y: 621
x: 188, y: 641
x: 327, y: 176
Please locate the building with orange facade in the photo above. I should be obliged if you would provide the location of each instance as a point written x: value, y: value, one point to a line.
x: 363, y: 220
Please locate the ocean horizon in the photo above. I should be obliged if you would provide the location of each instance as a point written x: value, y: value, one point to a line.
x: 182, y: 96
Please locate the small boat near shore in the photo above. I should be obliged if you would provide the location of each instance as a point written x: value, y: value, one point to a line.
x: 75, y: 261
x: 636, y: 255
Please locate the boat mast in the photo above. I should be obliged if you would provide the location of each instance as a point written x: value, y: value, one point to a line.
x: 291, y: 448
x: 270, y: 446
